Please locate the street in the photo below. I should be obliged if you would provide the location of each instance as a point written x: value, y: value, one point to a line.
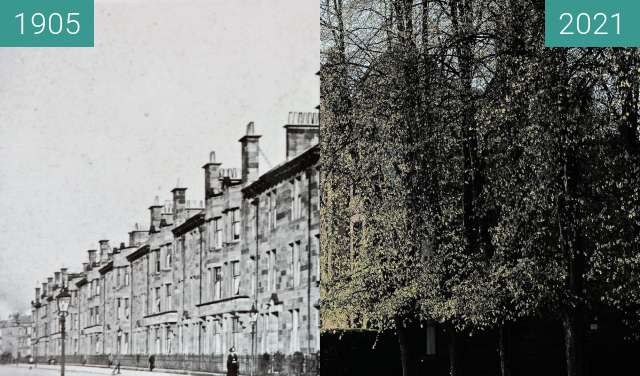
x: 46, y: 370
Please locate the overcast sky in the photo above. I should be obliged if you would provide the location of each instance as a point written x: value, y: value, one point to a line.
x: 89, y: 136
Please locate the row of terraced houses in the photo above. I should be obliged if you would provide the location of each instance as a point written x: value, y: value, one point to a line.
x: 237, y: 269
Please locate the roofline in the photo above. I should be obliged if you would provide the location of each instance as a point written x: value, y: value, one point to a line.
x: 307, y: 158
x: 143, y: 250
x: 191, y: 223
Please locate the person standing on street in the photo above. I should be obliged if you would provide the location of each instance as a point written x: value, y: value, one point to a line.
x: 152, y: 362
x: 232, y: 363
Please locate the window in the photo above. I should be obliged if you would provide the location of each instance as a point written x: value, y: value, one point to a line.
x: 169, y: 259
x: 235, y: 223
x: 126, y: 276
x: 295, y: 262
x: 118, y: 277
x: 274, y: 325
x: 235, y: 270
x: 295, y: 323
x: 296, y: 198
x: 217, y: 283
x: 169, y: 337
x: 119, y: 308
x: 168, y: 296
x: 235, y: 325
x: 125, y: 347
x: 157, y: 300
x: 157, y: 260
x: 319, y: 325
x: 217, y: 233
x: 126, y: 308
x: 269, y: 225
x: 157, y: 336
x: 271, y: 209
x: 317, y: 258
x: 271, y: 269
x: 97, y: 309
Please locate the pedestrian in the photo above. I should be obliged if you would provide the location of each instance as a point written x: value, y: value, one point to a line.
x: 232, y: 363
x: 110, y: 360
x: 116, y: 367
x: 152, y: 362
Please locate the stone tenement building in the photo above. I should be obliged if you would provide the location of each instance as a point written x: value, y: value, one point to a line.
x: 15, y: 336
x: 240, y: 268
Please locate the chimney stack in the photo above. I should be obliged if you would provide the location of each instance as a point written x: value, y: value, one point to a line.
x: 155, y: 212
x: 136, y: 238
x: 37, y: 294
x: 44, y: 288
x: 250, y: 154
x: 92, y: 257
x: 211, y: 176
x: 303, y: 132
x: 64, y: 277
x: 49, y: 286
x: 104, y: 251
x: 179, y: 204
x: 58, y: 281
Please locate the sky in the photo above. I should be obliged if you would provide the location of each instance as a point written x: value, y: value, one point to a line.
x: 89, y: 136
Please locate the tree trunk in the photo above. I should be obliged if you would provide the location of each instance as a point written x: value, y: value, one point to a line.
x: 504, y: 349
x: 454, y: 353
x: 407, y: 351
x: 573, y: 340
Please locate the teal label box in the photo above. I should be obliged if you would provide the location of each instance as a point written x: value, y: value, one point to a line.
x: 46, y: 23
x: 592, y: 23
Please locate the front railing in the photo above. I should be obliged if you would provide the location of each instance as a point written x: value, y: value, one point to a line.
x: 278, y: 364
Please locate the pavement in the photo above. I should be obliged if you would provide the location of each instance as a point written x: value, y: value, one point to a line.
x: 50, y: 370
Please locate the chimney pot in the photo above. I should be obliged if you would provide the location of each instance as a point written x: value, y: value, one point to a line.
x: 251, y: 129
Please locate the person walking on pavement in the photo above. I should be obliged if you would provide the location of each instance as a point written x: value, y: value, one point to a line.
x: 152, y: 362
x: 232, y: 363
x: 116, y: 367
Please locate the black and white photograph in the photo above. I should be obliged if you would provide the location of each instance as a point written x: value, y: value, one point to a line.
x: 160, y: 194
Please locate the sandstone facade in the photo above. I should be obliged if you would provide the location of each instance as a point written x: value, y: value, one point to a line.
x: 238, y: 269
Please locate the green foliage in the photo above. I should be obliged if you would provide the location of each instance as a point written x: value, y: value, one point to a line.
x: 470, y: 175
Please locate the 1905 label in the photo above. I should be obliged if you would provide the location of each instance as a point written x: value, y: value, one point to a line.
x: 46, y: 23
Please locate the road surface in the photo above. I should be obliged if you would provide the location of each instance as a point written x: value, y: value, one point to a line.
x: 46, y: 370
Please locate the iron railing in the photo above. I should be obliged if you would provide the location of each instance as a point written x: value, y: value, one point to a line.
x: 278, y: 364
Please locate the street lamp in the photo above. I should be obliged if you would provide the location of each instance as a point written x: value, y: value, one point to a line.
x: 63, y: 299
x: 253, y: 316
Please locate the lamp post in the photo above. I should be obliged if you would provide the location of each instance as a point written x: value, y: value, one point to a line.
x: 253, y: 316
x: 63, y: 299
